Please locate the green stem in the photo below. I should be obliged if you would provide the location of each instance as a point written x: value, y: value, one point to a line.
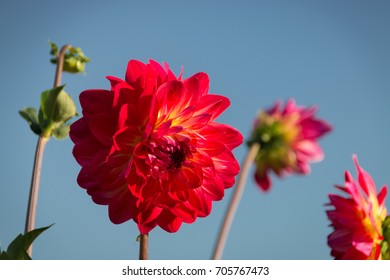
x: 42, y: 140
x: 143, y: 247
x: 229, y: 216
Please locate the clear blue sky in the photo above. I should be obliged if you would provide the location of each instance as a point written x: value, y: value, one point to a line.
x: 334, y: 54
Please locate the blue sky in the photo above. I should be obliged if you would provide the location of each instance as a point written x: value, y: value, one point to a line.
x: 333, y: 54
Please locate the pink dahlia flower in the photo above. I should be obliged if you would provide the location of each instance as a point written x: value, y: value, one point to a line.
x: 151, y: 150
x: 357, y: 219
x: 288, y: 141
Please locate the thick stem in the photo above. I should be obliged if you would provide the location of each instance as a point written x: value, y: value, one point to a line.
x: 143, y: 247
x: 235, y: 200
x: 42, y: 140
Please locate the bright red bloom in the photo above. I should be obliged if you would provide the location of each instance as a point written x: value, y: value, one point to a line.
x: 357, y: 220
x: 288, y: 141
x: 150, y: 149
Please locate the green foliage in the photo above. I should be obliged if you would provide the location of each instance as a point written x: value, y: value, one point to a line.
x: 385, y: 245
x: 61, y: 132
x: 17, y: 250
x: 74, y: 60
x: 30, y: 115
x: 57, y: 107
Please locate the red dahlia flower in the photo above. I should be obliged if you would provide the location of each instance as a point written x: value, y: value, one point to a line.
x: 288, y: 141
x: 151, y: 150
x: 358, y: 219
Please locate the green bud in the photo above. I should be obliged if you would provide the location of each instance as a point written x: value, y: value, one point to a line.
x: 57, y: 107
x: 74, y: 59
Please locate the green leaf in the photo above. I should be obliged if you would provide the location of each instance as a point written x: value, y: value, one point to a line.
x: 17, y: 250
x: 61, y: 132
x: 53, y: 49
x: 57, y: 105
x: 30, y: 115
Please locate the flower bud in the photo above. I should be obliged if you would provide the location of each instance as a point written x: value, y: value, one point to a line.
x: 74, y: 59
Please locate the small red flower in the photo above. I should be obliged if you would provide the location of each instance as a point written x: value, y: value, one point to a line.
x: 288, y: 141
x: 357, y: 219
x: 151, y: 150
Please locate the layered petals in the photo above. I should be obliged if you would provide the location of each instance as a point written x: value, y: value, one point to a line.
x: 288, y: 141
x: 150, y: 148
x: 357, y: 219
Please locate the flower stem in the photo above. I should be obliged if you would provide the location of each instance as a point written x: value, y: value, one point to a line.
x: 36, y: 173
x: 60, y: 65
x: 35, y: 178
x: 143, y: 247
x: 229, y: 216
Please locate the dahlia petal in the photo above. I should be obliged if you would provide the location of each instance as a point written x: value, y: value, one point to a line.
x: 340, y: 202
x: 231, y: 137
x: 135, y: 70
x: 159, y: 70
x: 95, y: 101
x: 171, y: 97
x: 290, y: 107
x: 263, y: 181
x: 213, y: 103
x: 340, y: 239
x: 362, y: 242
x: 196, y: 87
x: 85, y: 149
x: 126, y: 138
x: 348, y: 220
x: 124, y: 94
x: 197, y: 122
x: 213, y: 185
x: 313, y: 128
x: 170, y: 75
x: 226, y: 164
x: 308, y: 151
x: 188, y: 178
x: 102, y: 126
x: 87, y: 180
x: 356, y: 195
x: 148, y: 215
x: 187, y: 214
x: 169, y: 222
x: 353, y: 254
x: 114, y: 82
x: 146, y: 228
x: 150, y: 81
x: 78, y: 130
x: 202, y: 159
x: 307, y: 112
x: 212, y: 148
x: 199, y: 202
x: 382, y: 195
x: 365, y: 180
x: 122, y: 208
x: 302, y: 167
